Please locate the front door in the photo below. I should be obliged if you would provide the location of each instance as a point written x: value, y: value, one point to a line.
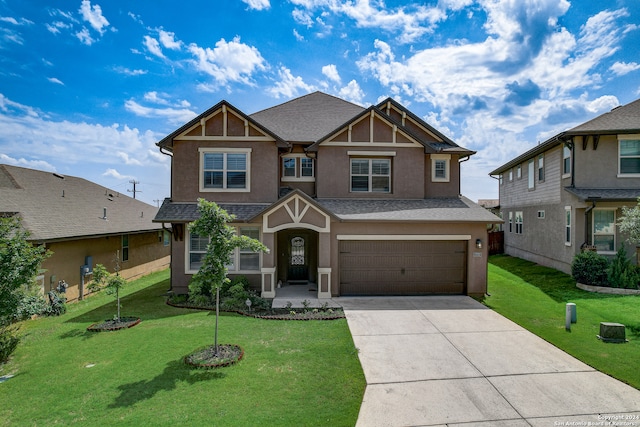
x: 298, y: 254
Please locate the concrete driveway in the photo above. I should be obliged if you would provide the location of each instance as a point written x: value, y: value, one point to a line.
x: 436, y: 361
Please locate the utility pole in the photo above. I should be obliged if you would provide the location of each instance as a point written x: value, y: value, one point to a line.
x: 134, y: 191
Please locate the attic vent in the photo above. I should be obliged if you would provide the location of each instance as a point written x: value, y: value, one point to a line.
x: 57, y: 175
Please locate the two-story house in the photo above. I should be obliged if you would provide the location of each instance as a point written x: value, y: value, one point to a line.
x: 566, y: 194
x: 358, y: 201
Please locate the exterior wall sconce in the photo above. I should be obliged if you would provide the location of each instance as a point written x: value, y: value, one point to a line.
x: 478, y: 243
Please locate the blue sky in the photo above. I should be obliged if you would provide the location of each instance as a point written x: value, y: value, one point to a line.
x: 87, y: 87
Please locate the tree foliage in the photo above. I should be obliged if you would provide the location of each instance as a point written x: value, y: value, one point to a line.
x: 629, y: 223
x: 19, y: 264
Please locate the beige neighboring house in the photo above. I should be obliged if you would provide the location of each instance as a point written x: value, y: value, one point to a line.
x: 83, y: 224
x: 353, y: 200
x: 566, y: 193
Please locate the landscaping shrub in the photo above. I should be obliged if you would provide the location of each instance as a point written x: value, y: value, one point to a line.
x: 8, y: 342
x: 589, y: 268
x: 621, y: 273
x: 30, y: 305
x: 235, y: 294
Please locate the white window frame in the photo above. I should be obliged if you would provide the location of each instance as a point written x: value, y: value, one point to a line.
x: 621, y: 138
x: 233, y: 265
x: 541, y: 214
x: 566, y: 161
x: 519, y: 172
x: 519, y: 221
x: 370, y: 174
x: 207, y: 150
x: 567, y: 225
x: 510, y: 222
x: 532, y: 174
x: 125, y: 252
x: 540, y: 168
x: 298, y: 177
x: 613, y: 224
x: 440, y: 159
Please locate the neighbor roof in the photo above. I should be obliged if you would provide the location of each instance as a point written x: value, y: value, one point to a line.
x: 57, y: 207
x: 307, y: 118
x: 623, y: 119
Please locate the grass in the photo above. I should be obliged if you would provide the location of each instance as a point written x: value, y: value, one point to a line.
x: 293, y: 373
x: 535, y: 297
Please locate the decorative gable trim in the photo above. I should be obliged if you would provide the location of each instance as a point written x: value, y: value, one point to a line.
x: 296, y: 212
x: 370, y: 129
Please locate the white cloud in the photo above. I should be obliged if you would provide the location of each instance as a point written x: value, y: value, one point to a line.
x: 127, y: 159
x: 111, y: 172
x: 130, y: 72
x: 57, y: 26
x: 288, y: 86
x: 93, y: 15
x: 153, y: 46
x: 55, y: 80
x: 297, y: 35
x: 169, y: 41
x: 31, y: 164
x: 331, y: 72
x: 85, y: 37
x: 173, y: 115
x: 14, y: 21
x: 257, y: 4
x: 622, y: 68
x: 228, y: 61
x: 352, y: 92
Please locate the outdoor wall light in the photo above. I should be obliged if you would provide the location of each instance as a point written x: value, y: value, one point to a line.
x: 478, y: 243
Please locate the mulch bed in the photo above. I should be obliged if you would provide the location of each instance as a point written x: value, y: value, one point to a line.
x: 206, y: 357
x: 114, y: 325
x: 274, y: 314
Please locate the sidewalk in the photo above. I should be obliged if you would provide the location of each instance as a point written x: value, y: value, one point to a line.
x: 436, y: 361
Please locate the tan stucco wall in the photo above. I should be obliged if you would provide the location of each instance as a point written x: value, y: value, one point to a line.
x: 147, y: 253
x: 264, y: 175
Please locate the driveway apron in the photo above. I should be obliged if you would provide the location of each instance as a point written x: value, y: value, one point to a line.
x: 449, y: 361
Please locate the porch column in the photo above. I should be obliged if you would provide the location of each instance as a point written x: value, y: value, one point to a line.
x: 268, y: 269
x: 324, y: 265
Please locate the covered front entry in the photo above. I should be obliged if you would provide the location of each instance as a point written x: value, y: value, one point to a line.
x: 398, y: 267
x: 297, y: 256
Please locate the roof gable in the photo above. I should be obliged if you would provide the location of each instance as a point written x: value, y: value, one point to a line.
x: 222, y: 121
x: 623, y: 119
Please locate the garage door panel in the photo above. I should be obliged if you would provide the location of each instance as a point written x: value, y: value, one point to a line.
x: 402, y: 267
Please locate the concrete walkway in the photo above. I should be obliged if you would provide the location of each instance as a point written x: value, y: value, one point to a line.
x: 450, y: 361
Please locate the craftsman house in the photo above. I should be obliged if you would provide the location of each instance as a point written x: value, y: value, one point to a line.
x: 566, y: 194
x: 356, y: 201
x: 83, y: 224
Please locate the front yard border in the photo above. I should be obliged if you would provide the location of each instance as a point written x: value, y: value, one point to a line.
x: 607, y: 290
x: 280, y: 316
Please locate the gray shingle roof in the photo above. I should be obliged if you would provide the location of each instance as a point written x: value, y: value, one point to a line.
x: 56, y: 207
x: 437, y: 210
x: 307, y: 118
x: 178, y: 212
x: 623, y: 119
x: 605, y: 194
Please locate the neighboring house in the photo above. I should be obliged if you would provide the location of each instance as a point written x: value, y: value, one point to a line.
x: 358, y: 201
x: 566, y: 194
x: 83, y: 224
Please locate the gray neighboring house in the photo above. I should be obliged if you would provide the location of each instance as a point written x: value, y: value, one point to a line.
x: 82, y: 223
x: 566, y: 194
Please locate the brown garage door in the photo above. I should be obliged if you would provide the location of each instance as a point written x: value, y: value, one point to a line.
x: 395, y: 267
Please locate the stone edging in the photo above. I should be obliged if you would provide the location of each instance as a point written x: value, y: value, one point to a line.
x: 608, y: 290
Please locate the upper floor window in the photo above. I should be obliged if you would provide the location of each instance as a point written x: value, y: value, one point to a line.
x: 440, y: 167
x: 566, y: 160
x: 371, y: 175
x: 629, y: 160
x: 224, y: 169
x: 519, y: 171
x: 298, y: 168
x: 541, y: 167
x: 510, y: 174
x: 532, y: 177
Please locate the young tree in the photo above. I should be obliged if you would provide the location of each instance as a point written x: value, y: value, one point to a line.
x: 223, y: 241
x: 19, y: 264
x: 630, y: 223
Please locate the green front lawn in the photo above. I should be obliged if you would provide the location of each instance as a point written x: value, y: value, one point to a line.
x: 535, y: 297
x: 293, y: 372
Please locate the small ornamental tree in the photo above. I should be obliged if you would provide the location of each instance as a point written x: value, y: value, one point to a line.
x: 629, y: 223
x: 213, y: 223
